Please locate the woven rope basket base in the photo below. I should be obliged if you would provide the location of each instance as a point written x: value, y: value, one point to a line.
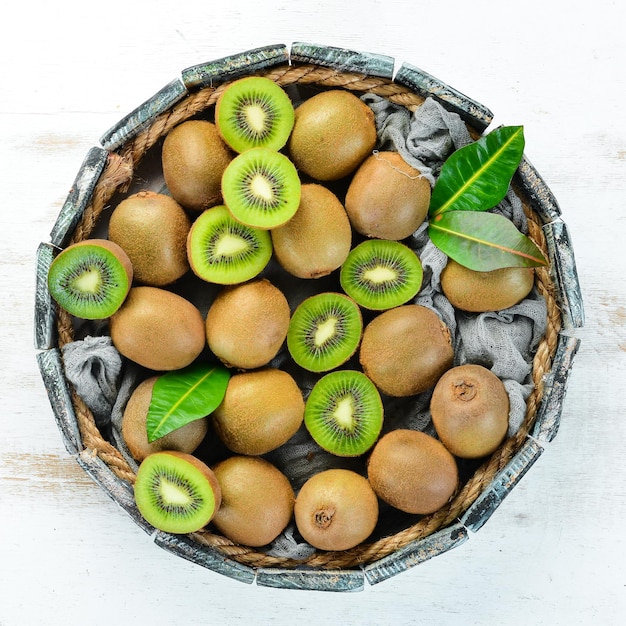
x: 111, y: 169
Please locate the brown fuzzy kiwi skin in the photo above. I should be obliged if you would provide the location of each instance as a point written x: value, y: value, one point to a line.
x: 194, y: 157
x: 152, y: 229
x: 412, y: 471
x: 470, y: 411
x: 261, y: 410
x: 317, y: 239
x: 187, y: 438
x: 387, y: 198
x: 247, y: 324
x: 158, y: 329
x: 336, y: 509
x: 257, y: 500
x: 334, y: 131
x: 405, y: 350
x: 477, y: 292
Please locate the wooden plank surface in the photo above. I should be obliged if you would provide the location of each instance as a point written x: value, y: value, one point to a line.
x: 554, y: 552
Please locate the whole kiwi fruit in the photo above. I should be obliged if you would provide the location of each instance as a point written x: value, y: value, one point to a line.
x: 317, y: 239
x: 387, y: 198
x: 257, y: 500
x: 477, y: 292
x: 152, y: 229
x: 187, y: 438
x: 193, y: 158
x: 412, y: 471
x: 247, y: 324
x: 470, y: 410
x: 158, y: 329
x: 336, y: 509
x: 333, y: 132
x: 261, y: 410
x: 405, y: 350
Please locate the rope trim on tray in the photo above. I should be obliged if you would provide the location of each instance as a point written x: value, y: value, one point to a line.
x: 117, y: 176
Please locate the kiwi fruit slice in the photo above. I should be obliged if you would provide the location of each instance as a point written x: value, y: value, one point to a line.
x: 90, y: 279
x: 193, y: 158
x: 254, y: 112
x: 317, y: 239
x: 333, y: 132
x: 261, y: 410
x: 324, y: 331
x: 158, y: 329
x: 344, y: 413
x: 380, y: 274
x: 477, y: 292
x: 405, y: 350
x: 336, y: 509
x: 152, y: 229
x: 247, y: 324
x: 470, y: 410
x: 412, y: 471
x: 222, y: 250
x: 176, y: 492
x: 187, y: 438
x: 261, y: 188
x: 387, y: 198
x: 257, y: 500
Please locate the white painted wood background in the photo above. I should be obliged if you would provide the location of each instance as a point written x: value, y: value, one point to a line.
x: 555, y: 551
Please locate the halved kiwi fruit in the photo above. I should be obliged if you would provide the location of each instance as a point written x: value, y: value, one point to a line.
x: 261, y: 188
x: 254, y: 112
x: 222, y: 250
x: 380, y: 274
x: 91, y: 279
x: 344, y: 413
x: 324, y: 331
x: 176, y: 492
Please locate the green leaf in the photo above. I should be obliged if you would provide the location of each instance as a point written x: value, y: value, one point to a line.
x: 483, y: 241
x: 185, y: 395
x: 477, y: 176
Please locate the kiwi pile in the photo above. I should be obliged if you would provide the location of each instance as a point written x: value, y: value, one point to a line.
x: 293, y: 223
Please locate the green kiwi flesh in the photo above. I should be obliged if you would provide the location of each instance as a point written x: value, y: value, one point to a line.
x: 380, y: 274
x: 324, y: 331
x: 176, y: 492
x: 257, y: 500
x: 254, y: 112
x: 336, y: 509
x: 152, y: 229
x: 91, y: 279
x: 261, y: 188
x: 222, y: 250
x: 344, y: 413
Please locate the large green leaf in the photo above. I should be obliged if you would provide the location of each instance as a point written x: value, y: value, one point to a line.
x: 483, y: 241
x: 185, y: 395
x: 477, y: 176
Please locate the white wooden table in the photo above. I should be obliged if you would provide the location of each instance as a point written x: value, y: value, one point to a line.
x: 555, y: 551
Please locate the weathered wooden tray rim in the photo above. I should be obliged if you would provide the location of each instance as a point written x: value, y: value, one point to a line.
x: 359, y: 71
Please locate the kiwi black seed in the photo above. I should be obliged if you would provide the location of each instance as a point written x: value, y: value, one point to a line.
x: 261, y: 188
x: 254, y: 112
x: 176, y: 492
x: 324, y: 331
x: 380, y: 274
x: 91, y: 279
x: 344, y: 413
x: 222, y: 250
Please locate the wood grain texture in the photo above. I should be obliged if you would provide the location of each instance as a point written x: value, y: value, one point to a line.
x: 553, y: 552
